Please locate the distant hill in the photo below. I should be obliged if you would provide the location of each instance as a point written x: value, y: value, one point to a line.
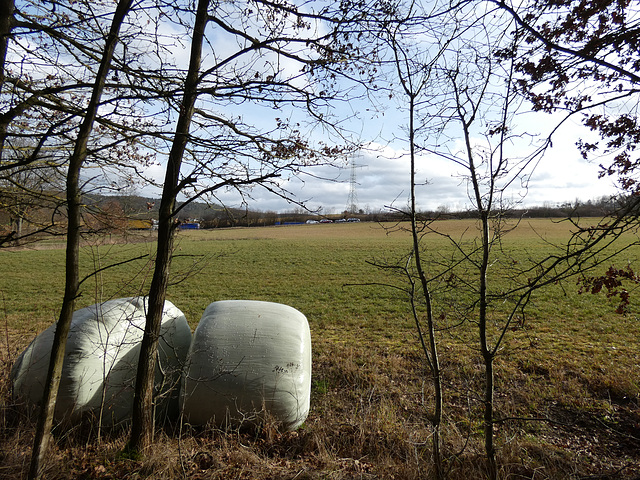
x: 135, y: 207
x: 145, y: 207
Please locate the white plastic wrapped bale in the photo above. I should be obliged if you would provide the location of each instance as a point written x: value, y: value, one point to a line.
x: 247, y: 358
x: 100, y: 363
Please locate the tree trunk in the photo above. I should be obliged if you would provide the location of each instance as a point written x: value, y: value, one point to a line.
x: 489, y: 446
x: 72, y: 283
x: 16, y: 228
x: 142, y: 422
x: 485, y: 350
x: 430, y: 347
x: 7, y: 7
x: 143, y: 415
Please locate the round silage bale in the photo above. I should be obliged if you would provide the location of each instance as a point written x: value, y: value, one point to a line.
x: 248, y: 360
x: 100, y: 363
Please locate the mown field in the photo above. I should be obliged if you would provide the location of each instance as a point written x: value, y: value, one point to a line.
x: 567, y: 384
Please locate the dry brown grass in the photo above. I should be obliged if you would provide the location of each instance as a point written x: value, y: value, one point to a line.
x: 368, y: 421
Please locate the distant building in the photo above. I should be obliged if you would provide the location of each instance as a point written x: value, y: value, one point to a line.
x: 139, y: 224
x: 190, y: 226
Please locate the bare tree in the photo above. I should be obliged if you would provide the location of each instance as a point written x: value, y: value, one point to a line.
x: 45, y: 421
x: 470, y: 93
x: 413, y: 73
x: 223, y: 150
x: 212, y: 151
x: 49, y: 66
x: 142, y: 419
x: 492, y: 159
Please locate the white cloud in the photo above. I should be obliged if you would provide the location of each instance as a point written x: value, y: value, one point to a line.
x: 383, y: 180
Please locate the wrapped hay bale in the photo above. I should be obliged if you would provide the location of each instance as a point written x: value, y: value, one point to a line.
x: 101, y: 360
x: 247, y: 359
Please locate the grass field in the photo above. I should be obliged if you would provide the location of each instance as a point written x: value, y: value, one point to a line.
x: 567, y: 377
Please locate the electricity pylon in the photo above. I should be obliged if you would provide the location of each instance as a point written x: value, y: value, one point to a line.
x: 352, y: 200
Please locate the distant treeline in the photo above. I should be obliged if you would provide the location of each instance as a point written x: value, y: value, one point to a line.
x: 118, y: 214
x: 217, y: 216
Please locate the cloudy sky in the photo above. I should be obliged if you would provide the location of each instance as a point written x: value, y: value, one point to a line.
x: 382, y: 173
x: 382, y: 181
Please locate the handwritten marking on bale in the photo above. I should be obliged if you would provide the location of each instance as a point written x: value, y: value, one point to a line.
x: 101, y: 358
x: 247, y: 359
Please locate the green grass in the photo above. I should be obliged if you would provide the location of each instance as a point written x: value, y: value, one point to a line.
x: 573, y: 360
